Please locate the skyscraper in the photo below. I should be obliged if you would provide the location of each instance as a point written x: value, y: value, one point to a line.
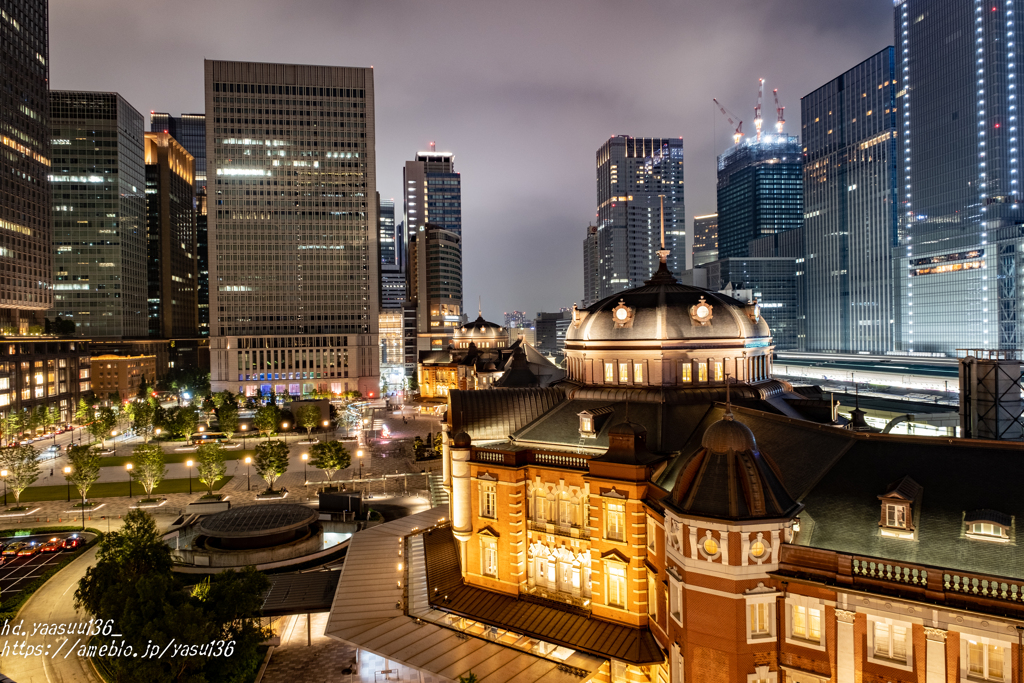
x: 850, y: 153
x: 591, y: 267
x: 99, y: 213
x: 760, y: 191
x: 960, y: 256
x: 26, y: 254
x: 388, y: 241
x: 173, y: 271
x: 705, y: 239
x: 392, y: 274
x: 433, y: 195
x: 293, y: 234
x: 190, y: 131
x: 632, y: 173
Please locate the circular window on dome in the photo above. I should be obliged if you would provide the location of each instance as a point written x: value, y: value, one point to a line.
x: 701, y: 313
x: 709, y: 547
x: 759, y: 549
x: 622, y: 315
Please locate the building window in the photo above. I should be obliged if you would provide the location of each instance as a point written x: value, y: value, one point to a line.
x: 686, y: 371
x: 719, y: 371
x: 758, y: 615
x: 638, y: 373
x: 489, y: 502
x: 890, y: 641
x: 615, y: 521
x: 652, y: 595
x: 805, y: 623
x: 652, y: 536
x: 896, y: 516
x: 567, y: 513
x: 616, y: 578
x: 609, y: 372
x: 702, y: 372
x: 675, y: 600
x: 489, y: 556
x: 623, y: 372
x: 586, y: 425
x: 985, y: 661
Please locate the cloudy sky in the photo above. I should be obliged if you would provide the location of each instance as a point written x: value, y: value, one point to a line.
x: 522, y: 92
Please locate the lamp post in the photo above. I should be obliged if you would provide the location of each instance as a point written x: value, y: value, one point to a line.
x: 4, y: 473
x: 244, y: 428
x: 128, y: 468
x: 327, y: 423
x: 188, y: 464
x: 305, y: 477
x: 284, y: 426
x: 67, y: 471
x: 248, y: 473
x: 359, y: 453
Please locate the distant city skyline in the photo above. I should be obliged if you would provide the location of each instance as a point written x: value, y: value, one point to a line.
x: 484, y: 96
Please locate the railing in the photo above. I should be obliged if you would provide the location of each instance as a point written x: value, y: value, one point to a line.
x: 523, y: 458
x: 983, y: 588
x: 911, y: 576
x: 553, y: 598
x: 560, y: 460
x: 485, y: 456
x: 559, y: 530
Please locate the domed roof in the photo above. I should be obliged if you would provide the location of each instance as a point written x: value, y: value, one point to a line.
x: 480, y: 328
x: 729, y: 478
x: 665, y: 309
x: 729, y: 435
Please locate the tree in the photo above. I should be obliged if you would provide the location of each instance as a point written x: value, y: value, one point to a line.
x: 265, y: 420
x: 270, y: 461
x: 210, y: 464
x: 103, y: 423
x: 186, y: 422
x: 84, y: 413
x: 143, y: 392
x: 114, y: 398
x: 330, y: 456
x: 414, y: 384
x: 22, y: 468
x: 85, y: 467
x: 10, y: 426
x: 148, y: 466
x: 308, y: 417
x: 418, y: 447
x: 122, y: 418
x: 190, y: 380
x: 438, y: 444
x: 142, y: 413
x: 38, y: 419
x: 227, y: 418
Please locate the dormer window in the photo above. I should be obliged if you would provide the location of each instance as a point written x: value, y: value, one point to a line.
x: 586, y: 425
x: 988, y: 525
x: 589, y: 420
x: 898, y: 503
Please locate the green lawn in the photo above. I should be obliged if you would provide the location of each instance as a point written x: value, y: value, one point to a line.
x: 114, y: 489
x: 170, y: 457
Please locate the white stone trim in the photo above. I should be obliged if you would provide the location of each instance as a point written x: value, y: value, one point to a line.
x: 762, y: 673
x: 761, y: 596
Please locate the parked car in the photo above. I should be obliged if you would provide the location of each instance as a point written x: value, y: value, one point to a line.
x: 72, y: 542
x: 52, y: 546
x: 13, y: 549
x: 29, y: 550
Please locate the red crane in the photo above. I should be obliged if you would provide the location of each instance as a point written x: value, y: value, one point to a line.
x: 757, y: 110
x: 738, y: 134
x: 782, y: 121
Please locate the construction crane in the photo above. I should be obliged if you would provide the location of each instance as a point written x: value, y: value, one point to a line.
x: 782, y: 121
x: 738, y: 134
x: 757, y: 110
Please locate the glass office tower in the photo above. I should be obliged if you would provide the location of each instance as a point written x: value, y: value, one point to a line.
x: 293, y: 231
x: 960, y: 254
x: 190, y: 131
x: 760, y: 191
x: 850, y: 151
x: 705, y: 239
x: 632, y: 174
x: 26, y: 256
x: 99, y: 214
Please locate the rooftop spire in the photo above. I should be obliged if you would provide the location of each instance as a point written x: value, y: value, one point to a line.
x: 663, y: 274
x: 728, y: 403
x: 480, y: 306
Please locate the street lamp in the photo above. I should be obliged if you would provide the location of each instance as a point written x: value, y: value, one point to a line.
x: 284, y: 426
x: 188, y: 464
x: 67, y: 471
x: 244, y: 428
x: 305, y: 477
x: 248, y: 473
x: 359, y: 453
x: 128, y: 468
x: 4, y: 473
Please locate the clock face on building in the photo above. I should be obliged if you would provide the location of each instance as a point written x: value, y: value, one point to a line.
x: 702, y: 311
x: 621, y: 314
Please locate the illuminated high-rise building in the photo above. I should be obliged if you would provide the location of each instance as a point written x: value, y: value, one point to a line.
x: 705, y: 239
x: 633, y: 174
x: 99, y: 214
x: 294, y: 261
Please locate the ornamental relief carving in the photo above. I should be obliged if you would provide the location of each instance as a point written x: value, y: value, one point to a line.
x: 845, y: 617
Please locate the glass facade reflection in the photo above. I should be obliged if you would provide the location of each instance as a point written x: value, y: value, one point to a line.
x: 850, y: 150
x: 775, y: 285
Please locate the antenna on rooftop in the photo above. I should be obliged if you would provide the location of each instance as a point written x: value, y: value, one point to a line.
x: 433, y: 146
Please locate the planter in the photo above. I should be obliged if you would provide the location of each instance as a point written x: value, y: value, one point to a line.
x: 154, y: 504
x: 207, y: 507
x: 89, y: 507
x: 277, y: 495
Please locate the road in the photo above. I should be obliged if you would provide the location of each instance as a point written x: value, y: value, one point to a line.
x: 52, y: 604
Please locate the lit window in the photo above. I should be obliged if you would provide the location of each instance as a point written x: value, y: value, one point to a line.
x: 987, y: 529
x: 806, y: 623
x: 489, y: 503
x: 615, y: 521
x: 652, y: 595
x: 675, y: 600
x: 759, y: 619
x: 638, y: 373
x: 567, y: 513
x: 702, y: 372
x: 623, y: 373
x: 652, y: 535
x: 985, y: 661
x: 686, y: 371
x: 710, y: 546
x: 890, y: 641
x: 586, y: 424
x: 719, y: 371
x: 489, y: 556
x: 896, y: 516
x: 609, y: 372
x: 757, y: 548
x: 616, y: 575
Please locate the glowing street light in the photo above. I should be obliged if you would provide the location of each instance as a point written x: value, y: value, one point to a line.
x: 67, y: 471
x: 128, y: 468
x: 244, y: 429
x: 359, y: 453
x: 188, y: 464
x: 248, y: 473
x: 305, y: 478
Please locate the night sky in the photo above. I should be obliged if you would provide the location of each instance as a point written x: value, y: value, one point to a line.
x: 523, y: 93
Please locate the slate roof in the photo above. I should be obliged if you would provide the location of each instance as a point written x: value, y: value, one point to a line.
x: 494, y: 414
x: 562, y: 627
x: 300, y: 593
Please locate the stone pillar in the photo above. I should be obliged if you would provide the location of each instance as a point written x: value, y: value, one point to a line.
x: 844, y: 646
x: 935, y: 655
x: 446, y: 457
x: 462, y: 494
